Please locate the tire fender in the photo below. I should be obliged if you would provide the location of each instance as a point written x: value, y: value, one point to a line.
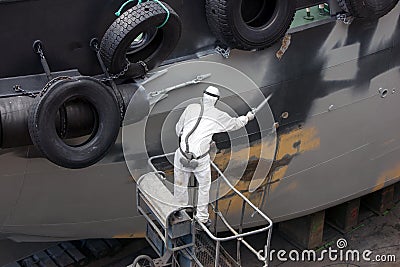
x: 249, y: 24
x: 46, y: 108
x: 367, y: 9
x: 136, y: 38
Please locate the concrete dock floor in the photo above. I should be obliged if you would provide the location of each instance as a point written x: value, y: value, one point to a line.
x: 377, y: 233
x: 380, y: 234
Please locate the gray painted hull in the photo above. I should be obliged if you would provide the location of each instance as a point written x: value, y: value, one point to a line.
x: 340, y: 141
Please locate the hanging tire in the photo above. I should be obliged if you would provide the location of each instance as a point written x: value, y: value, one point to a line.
x: 134, y: 37
x: 367, y: 9
x: 45, y: 114
x: 249, y: 24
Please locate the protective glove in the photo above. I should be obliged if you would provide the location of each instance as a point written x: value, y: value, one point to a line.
x: 250, y: 115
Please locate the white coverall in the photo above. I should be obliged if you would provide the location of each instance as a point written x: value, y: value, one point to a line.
x: 213, y: 121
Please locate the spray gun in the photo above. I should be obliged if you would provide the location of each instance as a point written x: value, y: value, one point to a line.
x: 261, y: 105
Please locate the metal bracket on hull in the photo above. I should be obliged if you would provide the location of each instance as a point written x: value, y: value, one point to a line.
x: 224, y: 52
x: 156, y: 96
x: 38, y: 48
x: 346, y: 19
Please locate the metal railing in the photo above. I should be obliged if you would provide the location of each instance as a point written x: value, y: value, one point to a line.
x: 238, y: 235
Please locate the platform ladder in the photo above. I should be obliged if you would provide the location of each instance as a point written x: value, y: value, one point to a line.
x: 177, y: 235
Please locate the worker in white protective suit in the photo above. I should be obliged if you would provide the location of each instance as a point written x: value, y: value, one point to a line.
x: 195, y: 129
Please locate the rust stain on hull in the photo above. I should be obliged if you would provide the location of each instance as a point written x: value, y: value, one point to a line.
x: 297, y: 141
x: 387, y: 176
x: 131, y: 235
x: 290, y: 144
x: 248, y: 154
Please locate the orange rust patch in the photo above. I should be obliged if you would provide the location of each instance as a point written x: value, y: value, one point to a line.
x: 131, y: 235
x: 290, y: 144
x: 257, y: 150
x: 292, y: 186
x: 276, y: 176
x: 261, y: 152
x: 388, y: 142
x: 231, y: 204
x: 297, y: 141
x: 387, y: 176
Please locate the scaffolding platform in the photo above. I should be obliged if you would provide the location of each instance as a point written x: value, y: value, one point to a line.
x: 178, y: 236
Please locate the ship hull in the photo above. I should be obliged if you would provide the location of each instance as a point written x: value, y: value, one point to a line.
x: 339, y: 142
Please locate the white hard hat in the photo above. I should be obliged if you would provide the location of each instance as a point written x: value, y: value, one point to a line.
x: 212, y: 91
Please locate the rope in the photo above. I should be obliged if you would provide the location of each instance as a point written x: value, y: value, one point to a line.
x: 166, y: 9
x: 118, y: 13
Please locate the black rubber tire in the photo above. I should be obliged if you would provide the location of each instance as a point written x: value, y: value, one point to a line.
x: 142, y: 18
x: 367, y: 9
x: 43, y: 114
x: 257, y: 26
